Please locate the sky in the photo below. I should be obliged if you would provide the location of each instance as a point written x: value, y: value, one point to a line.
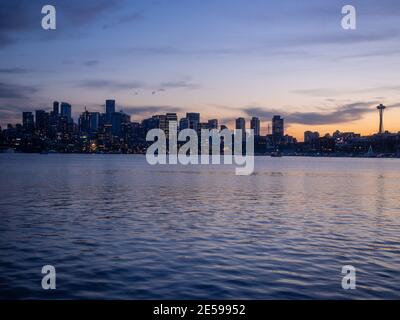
x: 222, y: 58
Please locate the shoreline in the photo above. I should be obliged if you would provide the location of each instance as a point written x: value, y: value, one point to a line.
x: 378, y: 156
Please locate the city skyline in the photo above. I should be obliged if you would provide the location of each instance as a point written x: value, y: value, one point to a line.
x: 250, y: 122
x: 113, y: 131
x: 223, y: 59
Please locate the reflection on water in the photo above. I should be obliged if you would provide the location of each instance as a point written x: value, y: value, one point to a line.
x: 115, y: 227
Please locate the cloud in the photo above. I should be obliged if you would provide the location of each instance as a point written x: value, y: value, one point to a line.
x: 180, y: 84
x: 371, y: 53
x: 384, y: 88
x: 150, y: 110
x: 14, y: 91
x: 326, y: 92
x: 15, y: 70
x: 343, y: 114
x: 341, y: 38
x: 8, y: 117
x: 78, y: 13
x: 91, y: 63
x: 12, y: 113
x: 18, y: 18
x: 318, y: 92
x: 13, y: 18
x: 395, y: 105
x: 168, y: 50
x: 110, y: 84
x: 15, y: 108
x: 119, y: 85
x: 287, y: 45
x: 14, y: 99
x: 5, y: 40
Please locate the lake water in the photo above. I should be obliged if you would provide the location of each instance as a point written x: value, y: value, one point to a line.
x: 115, y: 227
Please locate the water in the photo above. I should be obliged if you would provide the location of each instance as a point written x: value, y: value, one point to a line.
x: 117, y: 228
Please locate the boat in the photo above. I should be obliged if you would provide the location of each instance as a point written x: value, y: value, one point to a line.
x: 370, y: 153
x: 276, y: 154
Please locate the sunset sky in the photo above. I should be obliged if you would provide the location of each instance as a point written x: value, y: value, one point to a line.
x: 222, y: 58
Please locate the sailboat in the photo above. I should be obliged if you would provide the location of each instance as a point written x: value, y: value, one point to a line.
x: 370, y: 152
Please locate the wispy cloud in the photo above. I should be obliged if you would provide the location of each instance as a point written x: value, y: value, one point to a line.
x: 10, y: 111
x: 168, y: 50
x: 128, y: 85
x: 22, y: 17
x: 179, y: 84
x: 15, y: 91
x: 91, y: 63
x: 342, y: 114
x: 150, y: 110
x: 110, y: 84
x: 329, y: 92
x: 15, y: 70
x: 84, y: 12
x: 342, y: 38
x: 317, y: 92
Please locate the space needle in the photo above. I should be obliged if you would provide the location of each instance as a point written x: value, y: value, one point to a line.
x: 381, y: 107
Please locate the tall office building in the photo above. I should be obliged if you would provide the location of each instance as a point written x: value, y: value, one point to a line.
x: 118, y: 121
x: 161, y: 121
x: 194, y: 119
x: 110, y: 109
x: 125, y: 118
x: 151, y: 123
x: 42, y: 121
x: 66, y: 110
x: 213, y: 124
x: 28, y: 122
x: 255, y: 125
x: 56, y: 108
x: 184, y: 124
x: 277, y: 127
x: 202, y: 126
x: 84, y: 122
x: 110, y: 106
x: 171, y: 117
x: 53, y: 119
x: 241, y: 125
x: 94, y: 122
x: 116, y: 124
